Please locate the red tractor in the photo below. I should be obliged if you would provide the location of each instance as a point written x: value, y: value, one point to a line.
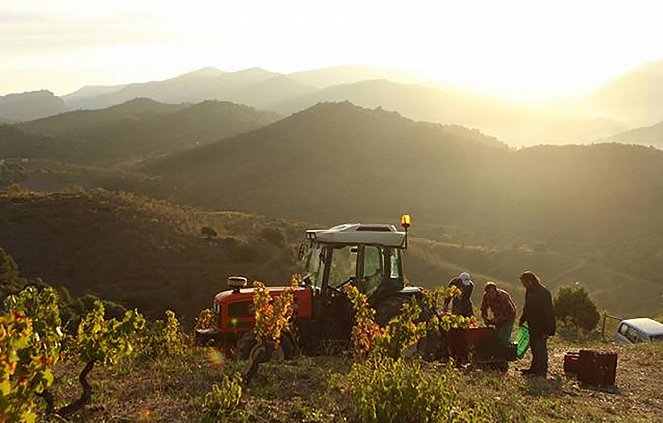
x: 369, y: 256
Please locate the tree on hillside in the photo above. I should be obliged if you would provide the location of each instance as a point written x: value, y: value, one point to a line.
x: 10, y: 279
x: 573, y: 305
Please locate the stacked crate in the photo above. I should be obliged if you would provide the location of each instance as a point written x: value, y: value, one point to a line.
x: 592, y: 367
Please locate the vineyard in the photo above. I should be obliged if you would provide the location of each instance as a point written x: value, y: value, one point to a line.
x: 128, y: 369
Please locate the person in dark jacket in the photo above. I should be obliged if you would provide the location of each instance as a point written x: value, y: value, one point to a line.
x: 462, y: 304
x: 539, y: 315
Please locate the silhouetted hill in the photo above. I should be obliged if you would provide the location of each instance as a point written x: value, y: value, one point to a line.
x: 513, y: 124
x: 138, y: 251
x: 334, y: 161
x: 30, y: 105
x: 134, y: 130
x: 650, y: 135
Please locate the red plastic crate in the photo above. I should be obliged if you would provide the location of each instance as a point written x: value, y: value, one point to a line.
x: 597, y: 367
x: 571, y: 360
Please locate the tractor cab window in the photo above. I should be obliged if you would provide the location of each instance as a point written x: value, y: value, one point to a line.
x: 394, y: 264
x: 314, y: 266
x: 343, y: 265
x: 373, y: 269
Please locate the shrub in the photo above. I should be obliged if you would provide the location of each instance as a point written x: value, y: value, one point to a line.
x: 574, y: 306
x: 163, y: 338
x: 272, y: 314
x: 101, y: 341
x: 30, y: 343
x: 365, y: 330
x: 25, y: 371
x: 205, y: 320
x: 224, y: 397
x: 388, y: 390
x: 403, y: 330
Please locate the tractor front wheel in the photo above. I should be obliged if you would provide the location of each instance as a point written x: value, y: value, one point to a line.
x: 249, y: 349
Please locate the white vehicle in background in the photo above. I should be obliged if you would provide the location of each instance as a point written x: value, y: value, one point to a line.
x: 634, y: 331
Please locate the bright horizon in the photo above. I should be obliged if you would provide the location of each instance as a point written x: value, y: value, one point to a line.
x: 517, y: 50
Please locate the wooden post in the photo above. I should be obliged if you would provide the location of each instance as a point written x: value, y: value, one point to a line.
x: 605, y: 316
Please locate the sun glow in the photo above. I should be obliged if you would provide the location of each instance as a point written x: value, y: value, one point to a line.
x: 523, y: 50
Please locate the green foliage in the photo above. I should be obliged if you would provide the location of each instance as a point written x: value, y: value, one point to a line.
x: 11, y: 173
x: 8, y: 269
x: 105, y: 341
x: 30, y: 340
x: 205, y: 320
x: 574, y: 306
x: 395, y: 390
x: 24, y: 372
x: 42, y: 307
x: 224, y: 397
x: 403, y: 330
x: 164, y: 339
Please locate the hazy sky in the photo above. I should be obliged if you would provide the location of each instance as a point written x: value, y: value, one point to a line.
x: 524, y: 49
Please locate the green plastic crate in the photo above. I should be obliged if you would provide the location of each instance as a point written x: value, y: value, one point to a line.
x: 522, y: 341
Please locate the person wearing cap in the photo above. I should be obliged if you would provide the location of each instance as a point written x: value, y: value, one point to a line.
x: 462, y: 304
x: 539, y: 315
x: 499, y: 302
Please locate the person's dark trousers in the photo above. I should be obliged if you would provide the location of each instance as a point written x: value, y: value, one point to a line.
x: 539, y: 347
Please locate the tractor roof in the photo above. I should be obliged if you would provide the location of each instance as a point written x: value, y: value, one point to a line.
x: 359, y: 233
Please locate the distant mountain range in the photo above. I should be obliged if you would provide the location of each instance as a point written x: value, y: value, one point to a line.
x: 635, y: 96
x: 650, y: 135
x: 129, y: 132
x: 30, y: 105
x: 591, y: 212
x: 629, y: 101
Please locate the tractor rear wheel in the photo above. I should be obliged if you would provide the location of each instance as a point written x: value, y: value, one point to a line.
x: 248, y: 348
x: 388, y: 308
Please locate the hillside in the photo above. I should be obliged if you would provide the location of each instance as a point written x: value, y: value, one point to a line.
x: 517, y: 125
x: 338, y: 162
x: 140, y: 252
x: 332, y: 154
x: 649, y: 135
x: 17, y: 143
x: 624, y: 294
x: 134, y: 130
x: 441, y: 174
x: 30, y: 105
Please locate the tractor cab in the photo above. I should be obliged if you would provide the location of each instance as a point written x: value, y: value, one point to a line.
x: 365, y: 255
